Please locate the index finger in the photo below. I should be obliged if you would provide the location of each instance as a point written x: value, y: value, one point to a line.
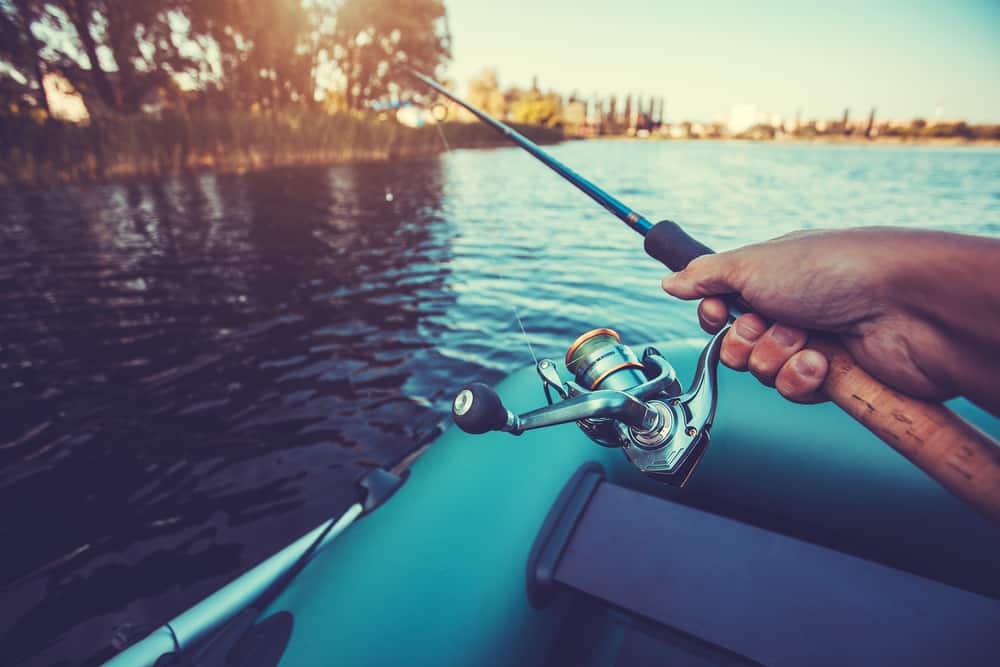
x: 713, y: 313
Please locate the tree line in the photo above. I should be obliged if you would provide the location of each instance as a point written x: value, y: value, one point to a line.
x: 219, y: 54
x: 532, y: 106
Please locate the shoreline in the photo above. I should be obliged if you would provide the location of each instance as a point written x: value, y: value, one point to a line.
x: 57, y: 154
x: 825, y: 140
x: 400, y: 143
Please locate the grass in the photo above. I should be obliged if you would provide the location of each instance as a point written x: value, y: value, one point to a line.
x: 34, y: 152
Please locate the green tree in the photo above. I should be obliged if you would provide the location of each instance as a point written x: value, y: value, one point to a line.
x: 244, y: 53
x: 113, y: 51
x: 21, y: 65
x: 484, y: 92
x: 265, y: 53
x: 535, y: 108
x: 372, y: 38
x: 116, y: 52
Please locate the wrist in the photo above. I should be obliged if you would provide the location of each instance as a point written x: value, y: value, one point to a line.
x: 882, y: 261
x: 949, y: 280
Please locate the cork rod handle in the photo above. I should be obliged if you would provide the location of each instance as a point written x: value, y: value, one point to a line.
x: 959, y: 456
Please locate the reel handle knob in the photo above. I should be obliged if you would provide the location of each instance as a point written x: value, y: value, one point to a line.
x: 477, y: 409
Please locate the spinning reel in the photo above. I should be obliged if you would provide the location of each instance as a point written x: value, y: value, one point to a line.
x: 617, y: 400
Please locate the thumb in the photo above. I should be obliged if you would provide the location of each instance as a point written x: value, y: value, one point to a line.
x: 706, y: 275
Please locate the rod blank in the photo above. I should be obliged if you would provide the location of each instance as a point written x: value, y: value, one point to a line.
x: 615, y: 206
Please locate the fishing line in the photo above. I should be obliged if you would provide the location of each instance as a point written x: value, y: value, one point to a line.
x: 525, y: 334
x: 447, y: 148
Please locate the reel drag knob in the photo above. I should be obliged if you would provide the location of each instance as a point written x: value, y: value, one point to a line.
x: 477, y: 409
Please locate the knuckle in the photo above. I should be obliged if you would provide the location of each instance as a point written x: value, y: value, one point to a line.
x: 810, y: 366
x: 728, y: 359
x: 749, y: 327
x: 734, y: 352
x: 761, y: 369
x: 698, y: 261
x: 790, y: 389
x: 795, y: 385
x: 785, y: 337
x: 711, y: 316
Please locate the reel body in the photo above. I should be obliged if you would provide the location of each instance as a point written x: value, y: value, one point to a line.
x: 617, y: 400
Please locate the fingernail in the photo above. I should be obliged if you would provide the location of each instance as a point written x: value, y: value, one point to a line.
x: 807, y: 365
x: 712, y: 320
x: 665, y: 283
x: 784, y: 336
x: 748, y: 330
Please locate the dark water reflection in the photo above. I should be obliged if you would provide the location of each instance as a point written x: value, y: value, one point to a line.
x: 192, y: 371
x: 176, y: 382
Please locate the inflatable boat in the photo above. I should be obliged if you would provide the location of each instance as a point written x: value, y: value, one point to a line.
x: 591, y: 540
x: 801, y: 540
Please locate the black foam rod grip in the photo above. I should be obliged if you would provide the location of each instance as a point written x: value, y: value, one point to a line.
x: 477, y: 409
x: 672, y: 246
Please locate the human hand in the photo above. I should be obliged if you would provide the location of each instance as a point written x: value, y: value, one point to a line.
x: 845, y: 283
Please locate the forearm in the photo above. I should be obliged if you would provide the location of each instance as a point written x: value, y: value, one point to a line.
x: 952, y: 282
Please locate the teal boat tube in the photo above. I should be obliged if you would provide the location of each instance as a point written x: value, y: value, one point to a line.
x: 445, y: 572
x: 198, y: 623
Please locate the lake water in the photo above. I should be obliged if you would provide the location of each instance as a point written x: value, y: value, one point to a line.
x: 194, y: 370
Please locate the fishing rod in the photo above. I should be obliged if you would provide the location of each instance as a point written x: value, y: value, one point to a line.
x: 665, y: 240
x: 619, y: 400
x: 624, y: 213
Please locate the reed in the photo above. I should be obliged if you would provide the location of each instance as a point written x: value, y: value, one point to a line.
x: 36, y: 151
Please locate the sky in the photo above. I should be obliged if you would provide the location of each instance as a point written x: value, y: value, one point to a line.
x: 908, y: 59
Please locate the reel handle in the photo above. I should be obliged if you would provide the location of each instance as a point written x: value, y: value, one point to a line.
x: 956, y: 454
x: 478, y: 409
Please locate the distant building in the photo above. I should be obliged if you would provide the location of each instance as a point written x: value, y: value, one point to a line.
x: 575, y: 113
x: 934, y: 122
x: 741, y: 118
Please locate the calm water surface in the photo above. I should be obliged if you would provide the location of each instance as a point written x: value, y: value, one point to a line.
x: 194, y: 370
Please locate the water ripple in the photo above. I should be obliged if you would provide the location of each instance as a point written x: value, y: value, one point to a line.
x: 194, y: 370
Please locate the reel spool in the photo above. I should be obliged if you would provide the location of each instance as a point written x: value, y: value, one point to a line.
x: 598, y: 360
x: 617, y: 400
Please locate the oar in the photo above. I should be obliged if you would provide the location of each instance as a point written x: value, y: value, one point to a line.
x: 959, y: 456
